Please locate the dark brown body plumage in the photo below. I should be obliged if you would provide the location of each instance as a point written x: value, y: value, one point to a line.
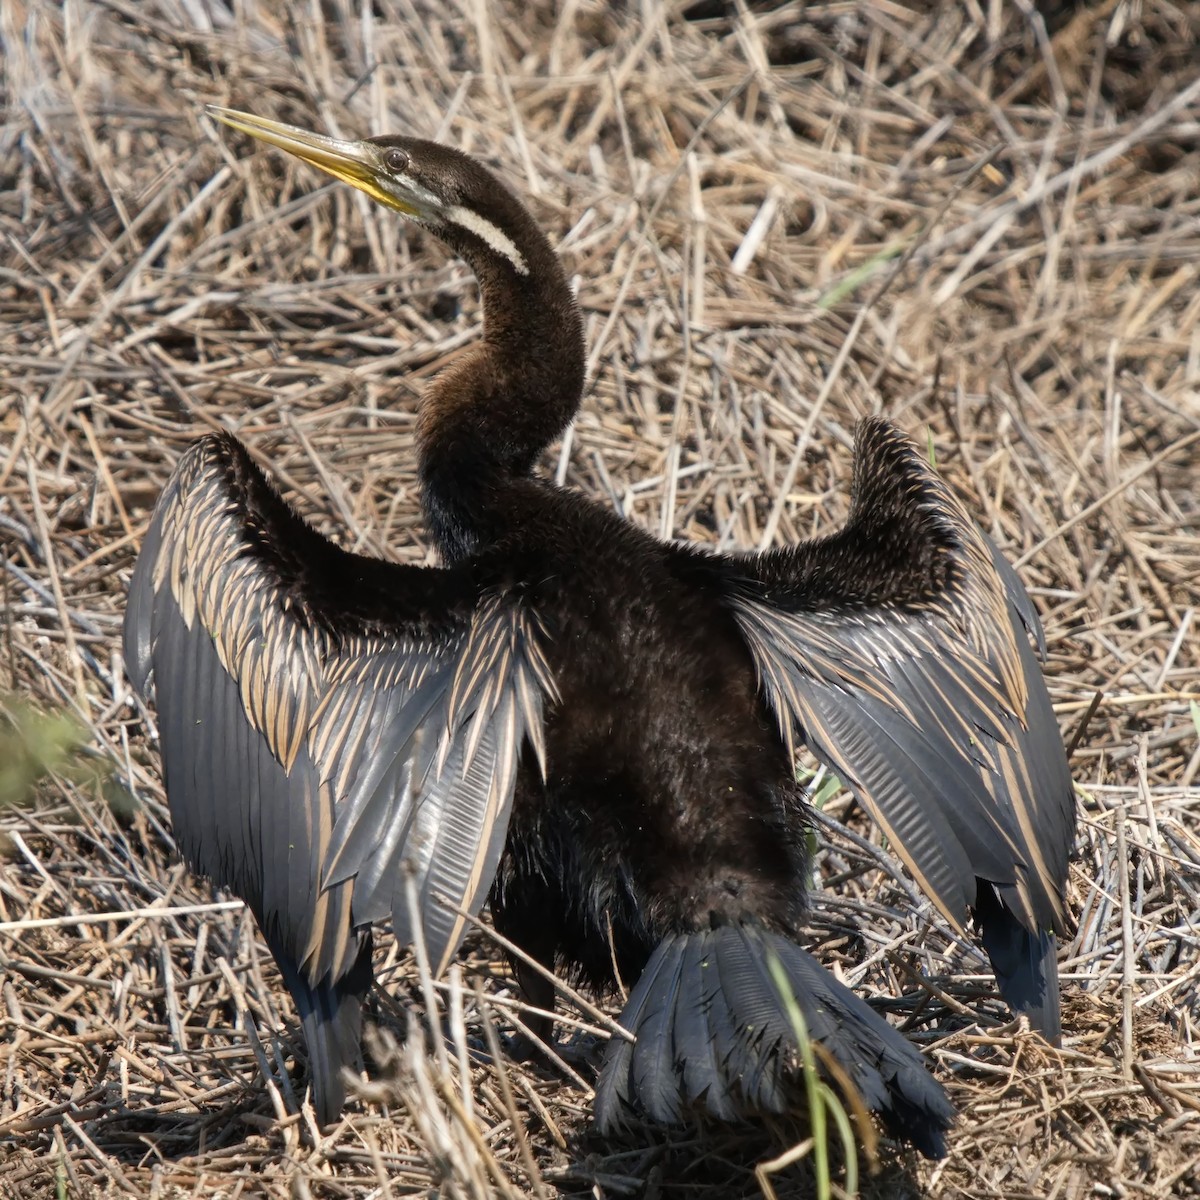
x: 596, y: 726
x: 670, y: 802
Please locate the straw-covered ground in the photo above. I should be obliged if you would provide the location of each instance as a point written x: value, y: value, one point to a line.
x: 980, y: 218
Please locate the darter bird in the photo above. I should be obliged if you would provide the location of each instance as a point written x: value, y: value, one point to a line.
x: 592, y: 725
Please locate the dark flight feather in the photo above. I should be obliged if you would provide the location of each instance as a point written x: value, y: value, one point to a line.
x: 331, y: 1017
x: 655, y: 1066
x: 699, y: 1005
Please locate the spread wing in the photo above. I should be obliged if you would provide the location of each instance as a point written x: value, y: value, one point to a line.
x: 898, y: 650
x: 331, y: 725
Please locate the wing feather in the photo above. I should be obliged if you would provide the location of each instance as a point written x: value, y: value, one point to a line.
x: 898, y: 649
x: 327, y: 722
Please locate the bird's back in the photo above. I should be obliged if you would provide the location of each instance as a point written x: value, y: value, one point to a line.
x: 669, y: 801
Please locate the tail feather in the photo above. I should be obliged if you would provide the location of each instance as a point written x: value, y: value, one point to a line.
x: 1025, y: 963
x: 331, y: 1017
x: 758, y: 1023
x: 653, y: 1070
x: 720, y: 1039
x: 700, y: 997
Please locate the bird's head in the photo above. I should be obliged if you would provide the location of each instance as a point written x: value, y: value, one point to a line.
x: 456, y: 198
x: 488, y: 416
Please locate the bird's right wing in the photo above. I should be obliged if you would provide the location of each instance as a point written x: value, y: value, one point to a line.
x: 331, y: 726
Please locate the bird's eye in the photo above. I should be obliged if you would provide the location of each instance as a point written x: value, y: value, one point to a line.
x: 396, y: 160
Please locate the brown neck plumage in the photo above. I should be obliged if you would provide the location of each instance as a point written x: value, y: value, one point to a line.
x: 486, y: 418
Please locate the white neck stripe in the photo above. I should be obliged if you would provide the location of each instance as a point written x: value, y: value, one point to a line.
x: 493, y: 235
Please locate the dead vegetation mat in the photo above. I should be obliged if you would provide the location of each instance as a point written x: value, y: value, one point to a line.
x: 980, y: 218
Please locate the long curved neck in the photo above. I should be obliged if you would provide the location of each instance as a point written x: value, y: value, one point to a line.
x: 486, y: 418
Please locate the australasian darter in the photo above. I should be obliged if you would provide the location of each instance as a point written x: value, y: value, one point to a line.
x: 595, y: 726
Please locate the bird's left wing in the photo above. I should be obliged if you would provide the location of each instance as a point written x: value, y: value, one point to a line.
x: 331, y: 725
x: 898, y: 650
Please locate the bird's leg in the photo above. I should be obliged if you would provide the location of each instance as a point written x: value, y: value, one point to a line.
x: 538, y: 992
x: 537, y: 1041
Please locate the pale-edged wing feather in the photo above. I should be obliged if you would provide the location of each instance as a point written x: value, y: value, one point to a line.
x: 919, y: 687
x: 329, y: 724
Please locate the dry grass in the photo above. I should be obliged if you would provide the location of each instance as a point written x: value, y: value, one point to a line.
x: 980, y: 220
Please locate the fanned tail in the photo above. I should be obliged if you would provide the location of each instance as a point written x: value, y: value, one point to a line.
x: 1025, y: 963
x: 713, y: 1033
x: 331, y: 1017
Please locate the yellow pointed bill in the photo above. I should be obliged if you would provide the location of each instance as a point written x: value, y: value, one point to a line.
x: 355, y: 163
